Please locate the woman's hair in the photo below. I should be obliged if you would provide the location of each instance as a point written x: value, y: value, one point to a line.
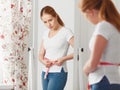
x: 107, y: 10
x: 51, y: 11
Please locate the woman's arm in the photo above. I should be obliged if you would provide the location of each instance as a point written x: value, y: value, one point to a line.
x: 42, y: 59
x: 70, y: 56
x: 60, y: 61
x: 96, y: 53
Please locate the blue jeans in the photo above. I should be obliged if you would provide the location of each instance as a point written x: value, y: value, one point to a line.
x: 105, y: 85
x: 54, y: 81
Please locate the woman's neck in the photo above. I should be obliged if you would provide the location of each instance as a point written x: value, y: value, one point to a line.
x: 57, y: 28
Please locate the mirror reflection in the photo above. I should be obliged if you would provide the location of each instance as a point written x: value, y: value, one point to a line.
x: 57, y: 30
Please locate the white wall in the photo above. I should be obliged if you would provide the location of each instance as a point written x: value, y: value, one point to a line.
x: 65, y: 9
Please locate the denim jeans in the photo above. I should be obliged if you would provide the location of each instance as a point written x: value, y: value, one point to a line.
x: 54, y: 81
x: 105, y: 85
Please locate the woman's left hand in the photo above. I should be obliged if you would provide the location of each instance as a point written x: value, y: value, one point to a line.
x: 59, y: 62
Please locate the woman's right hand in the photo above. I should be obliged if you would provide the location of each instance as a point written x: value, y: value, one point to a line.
x: 47, y: 63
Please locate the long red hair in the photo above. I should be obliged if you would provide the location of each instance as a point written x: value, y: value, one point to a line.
x: 51, y: 11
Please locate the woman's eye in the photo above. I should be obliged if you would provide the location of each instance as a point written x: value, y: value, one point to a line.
x: 50, y: 20
x: 45, y: 22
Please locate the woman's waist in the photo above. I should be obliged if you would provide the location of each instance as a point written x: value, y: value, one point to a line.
x: 106, y: 63
x: 53, y: 57
x: 54, y: 68
x: 103, y: 69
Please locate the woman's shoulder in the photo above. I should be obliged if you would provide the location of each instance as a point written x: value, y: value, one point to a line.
x: 66, y: 30
x: 105, y: 29
x: 45, y: 32
x: 105, y: 26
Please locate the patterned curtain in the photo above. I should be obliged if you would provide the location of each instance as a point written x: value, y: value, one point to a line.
x: 15, y: 25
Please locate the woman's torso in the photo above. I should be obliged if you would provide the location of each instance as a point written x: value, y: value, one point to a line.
x: 111, y: 53
x: 57, y: 47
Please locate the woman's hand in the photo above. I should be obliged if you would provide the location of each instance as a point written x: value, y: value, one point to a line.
x: 59, y: 62
x: 85, y: 70
x: 47, y: 63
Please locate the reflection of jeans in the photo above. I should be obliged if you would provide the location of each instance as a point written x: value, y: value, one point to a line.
x: 105, y: 85
x: 54, y: 81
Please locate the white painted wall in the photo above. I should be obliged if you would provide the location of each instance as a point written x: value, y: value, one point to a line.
x: 65, y: 9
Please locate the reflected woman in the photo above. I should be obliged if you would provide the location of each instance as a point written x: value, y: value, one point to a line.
x: 103, y: 65
x: 53, y: 52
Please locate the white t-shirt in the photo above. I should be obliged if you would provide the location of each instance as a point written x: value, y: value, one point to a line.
x: 57, y: 47
x: 111, y: 54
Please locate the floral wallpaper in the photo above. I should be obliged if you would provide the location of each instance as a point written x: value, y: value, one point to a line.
x: 15, y: 25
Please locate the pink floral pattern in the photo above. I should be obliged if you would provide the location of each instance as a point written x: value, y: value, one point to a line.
x: 15, y: 24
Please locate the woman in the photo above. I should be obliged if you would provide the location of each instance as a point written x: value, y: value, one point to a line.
x: 102, y: 68
x: 53, y: 51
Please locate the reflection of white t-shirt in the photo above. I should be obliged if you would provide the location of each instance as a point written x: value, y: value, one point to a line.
x: 111, y: 54
x: 57, y: 47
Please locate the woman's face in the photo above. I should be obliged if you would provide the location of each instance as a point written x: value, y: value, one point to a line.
x: 92, y: 16
x: 49, y: 21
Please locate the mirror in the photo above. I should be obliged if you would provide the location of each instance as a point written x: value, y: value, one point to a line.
x: 66, y: 13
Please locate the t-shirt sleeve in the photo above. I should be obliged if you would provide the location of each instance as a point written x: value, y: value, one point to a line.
x: 104, y: 30
x: 69, y: 34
